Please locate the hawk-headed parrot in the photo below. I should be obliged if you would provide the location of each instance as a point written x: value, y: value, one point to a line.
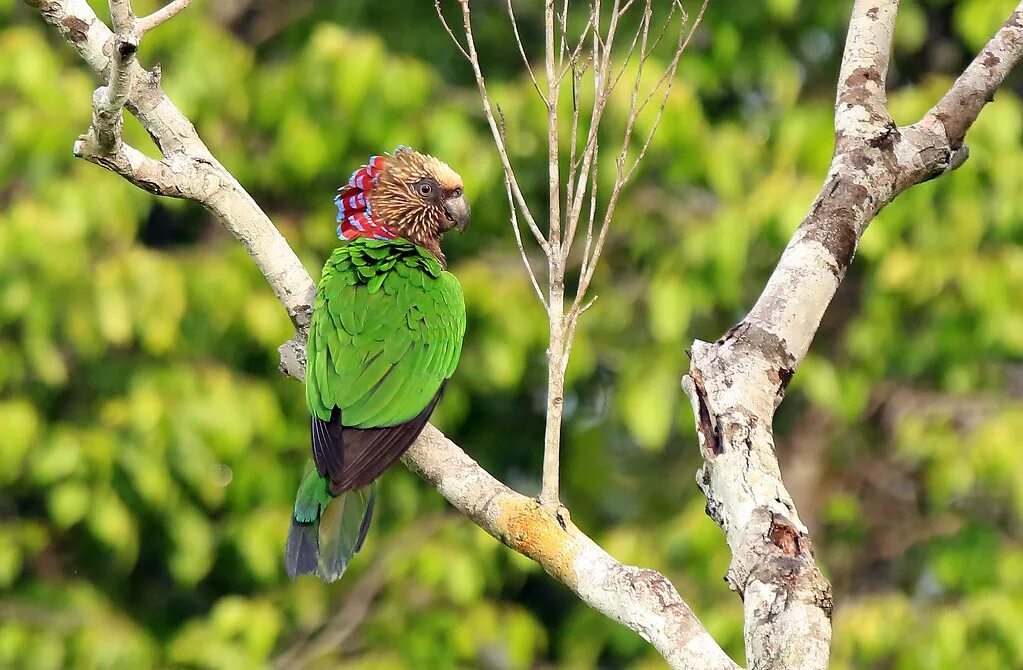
x: 385, y: 337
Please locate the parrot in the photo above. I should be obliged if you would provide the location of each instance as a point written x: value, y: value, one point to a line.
x: 385, y: 337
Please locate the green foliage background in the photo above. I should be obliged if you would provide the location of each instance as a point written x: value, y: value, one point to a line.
x: 149, y: 449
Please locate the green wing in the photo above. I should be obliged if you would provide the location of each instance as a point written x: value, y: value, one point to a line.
x: 386, y: 333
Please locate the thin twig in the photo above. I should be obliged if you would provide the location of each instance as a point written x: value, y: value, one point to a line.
x: 601, y: 69
x: 621, y: 179
x: 522, y: 52
x: 563, y: 21
x: 473, y: 57
x: 629, y: 53
x: 451, y: 33
x: 575, y: 53
x: 590, y: 219
x: 573, y: 142
x: 522, y: 251
x: 168, y: 11
x: 577, y: 74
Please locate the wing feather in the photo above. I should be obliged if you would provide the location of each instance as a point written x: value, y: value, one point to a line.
x: 370, y: 451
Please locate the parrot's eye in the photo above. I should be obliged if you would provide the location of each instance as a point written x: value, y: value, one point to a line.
x: 457, y: 193
x: 425, y: 188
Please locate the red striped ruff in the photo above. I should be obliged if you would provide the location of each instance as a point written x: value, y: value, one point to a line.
x: 355, y: 215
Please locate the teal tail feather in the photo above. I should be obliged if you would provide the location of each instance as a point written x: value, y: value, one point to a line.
x: 327, y: 531
x: 343, y: 529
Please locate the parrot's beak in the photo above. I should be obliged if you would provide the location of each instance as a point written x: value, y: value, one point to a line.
x: 458, y: 212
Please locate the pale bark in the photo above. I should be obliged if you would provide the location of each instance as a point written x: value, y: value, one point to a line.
x: 736, y: 383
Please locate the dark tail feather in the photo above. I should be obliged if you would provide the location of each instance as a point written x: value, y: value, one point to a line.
x: 303, y: 551
x: 367, y: 519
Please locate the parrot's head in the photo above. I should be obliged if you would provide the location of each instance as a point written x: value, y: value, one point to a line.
x: 404, y: 194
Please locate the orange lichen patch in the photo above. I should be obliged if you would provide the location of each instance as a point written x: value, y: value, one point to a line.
x: 546, y: 536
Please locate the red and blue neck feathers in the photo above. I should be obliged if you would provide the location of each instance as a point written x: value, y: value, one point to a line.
x: 355, y: 213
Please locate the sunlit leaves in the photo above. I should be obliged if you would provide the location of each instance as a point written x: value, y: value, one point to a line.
x: 149, y: 449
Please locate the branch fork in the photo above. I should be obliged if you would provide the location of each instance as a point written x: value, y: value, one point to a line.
x: 102, y: 141
x: 736, y: 384
x: 577, y: 202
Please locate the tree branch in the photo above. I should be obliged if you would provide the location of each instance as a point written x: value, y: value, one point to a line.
x: 211, y: 185
x: 550, y: 494
x: 862, y: 103
x: 736, y: 383
x: 641, y: 599
x: 169, y: 11
x: 976, y: 86
x: 473, y: 57
x: 104, y: 135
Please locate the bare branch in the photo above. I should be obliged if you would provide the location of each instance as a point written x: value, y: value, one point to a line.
x: 122, y: 19
x: 168, y: 11
x: 176, y: 137
x: 573, y: 56
x: 473, y: 57
x: 451, y: 33
x: 577, y: 74
x: 522, y: 251
x: 736, y: 384
x: 588, y: 242
x: 169, y: 178
x: 862, y: 104
x: 640, y: 599
x: 602, y: 49
x: 563, y: 25
x: 573, y: 142
x: 553, y: 144
x: 591, y: 254
x: 556, y: 352
x: 104, y: 135
x: 522, y: 51
x: 667, y: 78
x: 976, y: 86
x: 632, y: 48
x: 624, y: 8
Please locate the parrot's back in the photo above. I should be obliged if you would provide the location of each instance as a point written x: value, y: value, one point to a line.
x: 386, y: 334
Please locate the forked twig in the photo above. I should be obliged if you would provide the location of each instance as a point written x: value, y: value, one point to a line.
x: 595, y: 49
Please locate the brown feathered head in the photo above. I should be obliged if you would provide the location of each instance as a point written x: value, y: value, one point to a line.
x: 405, y: 194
